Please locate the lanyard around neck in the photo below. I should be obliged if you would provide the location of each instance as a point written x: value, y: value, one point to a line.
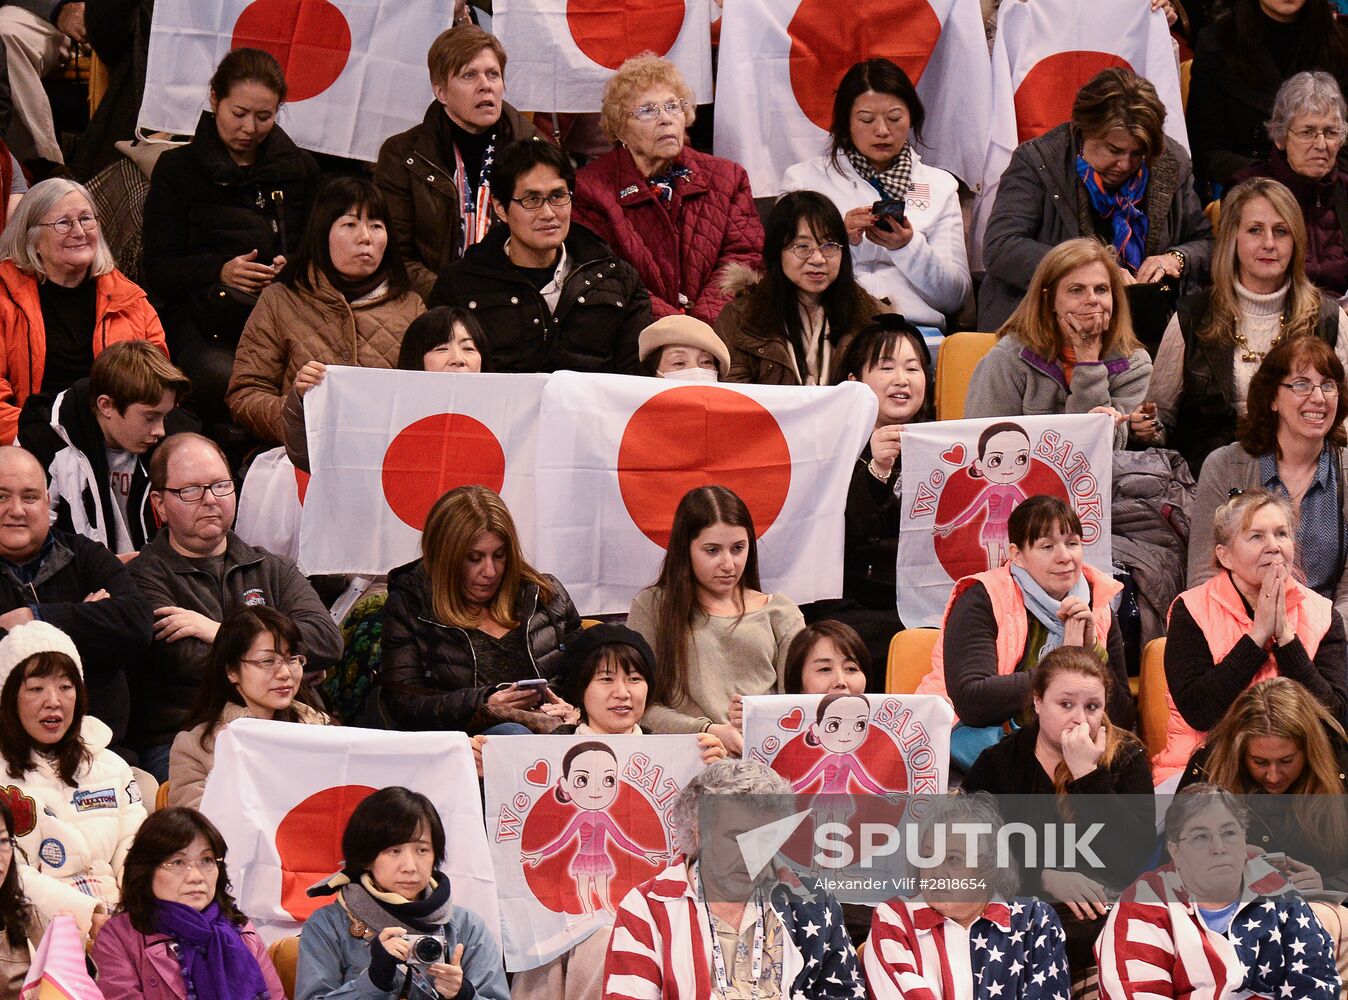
x: 723, y: 984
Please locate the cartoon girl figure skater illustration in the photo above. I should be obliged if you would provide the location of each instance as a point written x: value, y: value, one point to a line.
x: 590, y: 781
x: 840, y: 728
x: 1003, y: 460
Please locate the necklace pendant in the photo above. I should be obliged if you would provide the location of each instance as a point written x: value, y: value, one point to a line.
x: 1251, y: 357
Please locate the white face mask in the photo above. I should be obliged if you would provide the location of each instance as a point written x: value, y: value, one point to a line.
x: 691, y: 375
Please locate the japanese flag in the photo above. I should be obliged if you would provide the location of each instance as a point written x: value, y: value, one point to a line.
x: 563, y: 52
x: 1045, y: 51
x: 281, y: 794
x: 385, y: 445
x: 781, y: 62
x: 270, y: 504
x: 355, y: 69
x: 617, y: 453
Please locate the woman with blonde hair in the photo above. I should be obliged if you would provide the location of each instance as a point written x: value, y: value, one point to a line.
x: 1068, y: 347
x: 1260, y: 297
x: 680, y: 217
x: 472, y: 635
x: 64, y: 300
x: 1278, y: 740
x: 1252, y: 621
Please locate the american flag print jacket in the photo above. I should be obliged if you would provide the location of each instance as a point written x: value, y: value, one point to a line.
x: 660, y: 949
x: 1014, y: 951
x: 1155, y: 944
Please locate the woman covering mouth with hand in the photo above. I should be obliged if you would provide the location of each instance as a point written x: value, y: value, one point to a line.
x: 1292, y: 443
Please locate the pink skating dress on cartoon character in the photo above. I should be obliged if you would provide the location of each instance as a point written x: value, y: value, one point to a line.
x: 1003, y: 460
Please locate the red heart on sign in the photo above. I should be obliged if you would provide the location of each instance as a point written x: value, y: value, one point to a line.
x: 538, y: 774
x: 792, y: 719
x: 954, y: 454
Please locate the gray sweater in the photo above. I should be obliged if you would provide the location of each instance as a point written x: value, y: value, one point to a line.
x: 1013, y: 381
x: 1228, y: 467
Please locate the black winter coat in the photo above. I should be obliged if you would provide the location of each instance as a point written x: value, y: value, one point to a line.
x: 204, y: 209
x: 111, y: 635
x: 428, y: 673
x: 601, y: 313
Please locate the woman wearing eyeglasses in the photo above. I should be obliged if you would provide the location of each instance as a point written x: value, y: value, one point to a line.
x: 255, y: 671
x: 548, y: 292
x: 1293, y: 443
x: 792, y: 325
x: 913, y: 253
x: 1307, y: 130
x: 179, y: 934
x: 63, y: 300
x: 678, y: 216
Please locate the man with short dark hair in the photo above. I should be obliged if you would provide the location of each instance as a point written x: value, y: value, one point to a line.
x: 71, y: 582
x: 95, y: 439
x: 193, y: 575
x: 549, y: 293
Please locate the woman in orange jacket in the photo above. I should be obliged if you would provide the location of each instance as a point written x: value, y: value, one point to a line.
x: 62, y: 299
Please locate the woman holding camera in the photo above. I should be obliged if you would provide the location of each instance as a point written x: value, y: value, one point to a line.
x: 394, y: 932
x: 911, y: 253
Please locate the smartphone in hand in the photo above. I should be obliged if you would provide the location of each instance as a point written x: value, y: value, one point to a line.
x: 887, y: 209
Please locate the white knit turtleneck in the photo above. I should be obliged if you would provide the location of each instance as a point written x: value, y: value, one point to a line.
x: 1259, y: 321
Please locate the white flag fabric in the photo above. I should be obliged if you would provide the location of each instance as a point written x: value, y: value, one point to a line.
x: 270, y: 504
x: 963, y: 478
x: 385, y: 445
x: 616, y: 454
x: 839, y: 744
x: 574, y: 823
x: 563, y: 52
x: 782, y: 60
x: 281, y: 794
x: 1045, y: 51
x: 355, y: 69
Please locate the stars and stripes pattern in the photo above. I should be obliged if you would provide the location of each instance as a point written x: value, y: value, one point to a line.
x: 660, y: 949
x: 1155, y: 944
x: 1015, y: 951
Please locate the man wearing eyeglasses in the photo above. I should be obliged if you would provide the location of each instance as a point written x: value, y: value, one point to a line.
x: 549, y: 292
x: 71, y: 582
x: 193, y: 575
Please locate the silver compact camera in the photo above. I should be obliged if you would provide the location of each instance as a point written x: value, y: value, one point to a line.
x: 424, y: 950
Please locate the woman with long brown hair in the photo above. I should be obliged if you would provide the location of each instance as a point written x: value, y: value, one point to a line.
x: 714, y: 632
x: 473, y: 634
x: 1260, y: 297
x: 1278, y: 740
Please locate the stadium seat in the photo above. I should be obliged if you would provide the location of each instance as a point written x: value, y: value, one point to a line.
x: 285, y: 955
x: 909, y: 658
x: 589, y: 622
x: 955, y: 364
x: 1152, y: 711
x: 1186, y: 73
x: 1214, y: 212
x: 161, y: 796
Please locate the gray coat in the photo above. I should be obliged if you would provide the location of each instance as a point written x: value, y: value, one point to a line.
x: 1041, y: 202
x: 1013, y: 381
x: 1228, y: 467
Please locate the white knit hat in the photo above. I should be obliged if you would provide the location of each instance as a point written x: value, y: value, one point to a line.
x: 30, y: 639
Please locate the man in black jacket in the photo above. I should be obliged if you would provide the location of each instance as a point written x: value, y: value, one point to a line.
x: 95, y: 440
x: 70, y: 582
x: 549, y: 293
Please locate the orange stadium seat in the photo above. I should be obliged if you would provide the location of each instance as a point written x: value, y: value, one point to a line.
x: 1152, y: 711
x: 909, y: 659
x: 955, y: 364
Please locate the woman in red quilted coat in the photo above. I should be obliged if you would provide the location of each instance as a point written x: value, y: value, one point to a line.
x: 677, y: 215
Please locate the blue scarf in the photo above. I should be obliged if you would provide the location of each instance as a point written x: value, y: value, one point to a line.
x: 217, y: 965
x: 1045, y: 607
x: 1121, y: 209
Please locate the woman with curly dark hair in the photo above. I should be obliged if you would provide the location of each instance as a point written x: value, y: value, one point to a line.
x: 178, y: 933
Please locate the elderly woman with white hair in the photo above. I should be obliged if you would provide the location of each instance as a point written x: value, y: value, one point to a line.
x: 64, y: 299
x: 1308, y: 129
x: 732, y: 932
x: 935, y: 943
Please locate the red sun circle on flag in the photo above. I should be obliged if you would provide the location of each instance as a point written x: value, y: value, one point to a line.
x: 309, y: 38
x: 612, y: 37
x: 302, y: 484
x: 696, y: 436
x: 1044, y: 98
x: 826, y: 43
x: 432, y: 456
x: 309, y: 844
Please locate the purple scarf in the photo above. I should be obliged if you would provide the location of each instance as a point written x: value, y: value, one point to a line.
x: 217, y: 965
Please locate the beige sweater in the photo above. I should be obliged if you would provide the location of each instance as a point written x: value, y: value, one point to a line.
x: 192, y: 757
x: 729, y: 656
